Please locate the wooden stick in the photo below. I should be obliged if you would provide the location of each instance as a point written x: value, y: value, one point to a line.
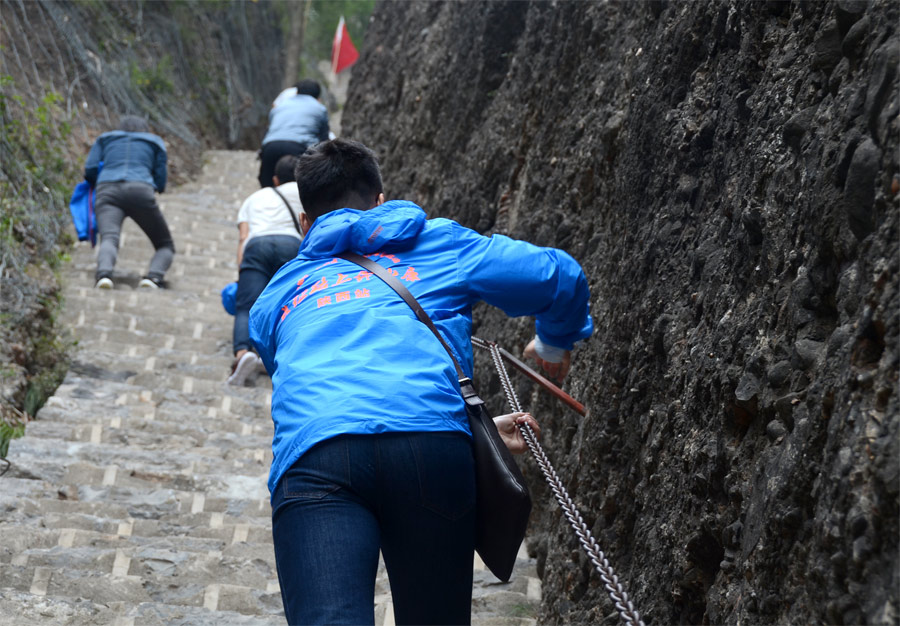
x: 544, y: 382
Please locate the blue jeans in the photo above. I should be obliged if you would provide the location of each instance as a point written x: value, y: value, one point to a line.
x: 263, y: 256
x: 411, y: 495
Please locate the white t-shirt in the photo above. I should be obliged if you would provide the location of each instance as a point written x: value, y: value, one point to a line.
x: 290, y: 92
x: 266, y: 214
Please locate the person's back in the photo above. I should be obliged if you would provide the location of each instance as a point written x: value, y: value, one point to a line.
x: 131, y: 156
x: 300, y: 118
x: 370, y: 340
x: 295, y: 123
x: 266, y: 213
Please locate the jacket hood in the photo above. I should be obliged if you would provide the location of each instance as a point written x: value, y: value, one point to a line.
x: 148, y: 137
x: 394, y: 222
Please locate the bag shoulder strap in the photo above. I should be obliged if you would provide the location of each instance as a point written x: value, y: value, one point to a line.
x: 289, y: 208
x: 404, y: 293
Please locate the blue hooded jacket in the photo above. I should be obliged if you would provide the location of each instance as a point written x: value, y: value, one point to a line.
x: 348, y: 356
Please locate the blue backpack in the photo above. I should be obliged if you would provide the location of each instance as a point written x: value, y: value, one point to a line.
x: 82, y: 208
x: 229, y: 295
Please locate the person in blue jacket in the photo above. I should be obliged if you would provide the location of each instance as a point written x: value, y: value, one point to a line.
x: 133, y: 167
x: 372, y: 447
x: 295, y: 122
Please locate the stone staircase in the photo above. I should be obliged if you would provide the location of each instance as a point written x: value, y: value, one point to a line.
x: 138, y: 496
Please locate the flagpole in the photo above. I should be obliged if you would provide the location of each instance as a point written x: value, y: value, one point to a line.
x: 336, y: 46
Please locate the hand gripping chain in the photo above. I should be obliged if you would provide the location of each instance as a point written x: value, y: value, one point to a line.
x: 614, y: 588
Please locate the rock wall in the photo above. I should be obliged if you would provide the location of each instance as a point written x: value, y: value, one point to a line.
x: 727, y: 174
x: 204, y: 74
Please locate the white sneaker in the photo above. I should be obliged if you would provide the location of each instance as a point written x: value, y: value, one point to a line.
x: 248, y: 364
x: 104, y: 283
x: 147, y: 283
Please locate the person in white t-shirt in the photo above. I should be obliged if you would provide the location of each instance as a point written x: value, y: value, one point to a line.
x: 269, y: 231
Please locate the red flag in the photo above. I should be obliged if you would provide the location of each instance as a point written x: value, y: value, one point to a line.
x: 343, y: 52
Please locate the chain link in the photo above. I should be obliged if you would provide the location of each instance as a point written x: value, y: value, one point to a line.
x: 614, y: 588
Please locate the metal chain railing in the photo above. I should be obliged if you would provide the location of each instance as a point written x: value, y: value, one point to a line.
x: 614, y: 588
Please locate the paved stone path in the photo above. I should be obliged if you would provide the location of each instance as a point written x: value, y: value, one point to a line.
x: 138, y: 495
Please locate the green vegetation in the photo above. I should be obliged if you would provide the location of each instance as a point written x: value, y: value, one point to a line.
x: 35, y: 184
x: 157, y: 79
x: 12, y: 426
x: 523, y: 611
x: 322, y: 22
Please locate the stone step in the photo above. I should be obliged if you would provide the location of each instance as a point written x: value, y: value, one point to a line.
x: 198, y: 278
x: 103, y: 517
x: 191, y: 389
x: 243, y: 538
x: 151, y: 320
x: 26, y: 609
x: 192, y: 396
x: 113, y: 356
x: 250, y: 411
x: 129, y: 511
x: 151, y: 339
x: 227, y: 433
x: 153, y: 566
x: 117, y: 364
x: 193, y: 476
x: 118, y: 587
x: 206, y: 377
x: 156, y: 560
x: 135, y: 300
x: 218, y: 350
x: 159, y: 464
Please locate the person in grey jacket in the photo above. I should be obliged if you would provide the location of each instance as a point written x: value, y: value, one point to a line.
x: 126, y: 166
x: 295, y: 123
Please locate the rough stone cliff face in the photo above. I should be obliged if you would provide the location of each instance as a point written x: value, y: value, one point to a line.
x: 727, y: 174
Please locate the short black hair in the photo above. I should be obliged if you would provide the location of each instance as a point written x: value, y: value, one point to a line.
x: 338, y: 174
x: 284, y: 169
x: 134, y: 124
x: 308, y: 87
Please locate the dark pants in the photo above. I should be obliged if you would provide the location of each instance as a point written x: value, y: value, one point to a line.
x: 263, y: 256
x: 271, y: 152
x: 115, y: 202
x: 411, y: 495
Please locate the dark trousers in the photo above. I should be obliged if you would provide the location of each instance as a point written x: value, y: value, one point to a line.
x: 411, y: 495
x: 263, y: 256
x: 271, y: 152
x: 115, y: 202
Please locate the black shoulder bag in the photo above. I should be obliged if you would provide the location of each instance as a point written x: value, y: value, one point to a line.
x: 503, y: 503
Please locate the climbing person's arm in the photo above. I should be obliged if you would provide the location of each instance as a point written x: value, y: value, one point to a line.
x: 323, y: 126
x: 555, y: 361
x: 523, y: 279
x: 243, y: 224
x: 92, y: 165
x: 160, y: 167
x: 243, y: 233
